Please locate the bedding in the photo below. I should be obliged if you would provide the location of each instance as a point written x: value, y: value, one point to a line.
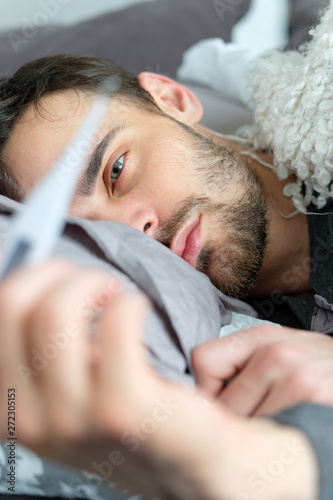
x: 138, y: 38
x: 147, y: 36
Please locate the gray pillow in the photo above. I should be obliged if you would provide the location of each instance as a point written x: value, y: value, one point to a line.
x: 148, y: 36
x: 181, y: 295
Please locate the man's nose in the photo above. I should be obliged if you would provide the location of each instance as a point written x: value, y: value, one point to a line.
x: 146, y: 221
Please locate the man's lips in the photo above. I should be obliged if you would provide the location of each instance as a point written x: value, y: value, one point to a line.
x: 187, y: 242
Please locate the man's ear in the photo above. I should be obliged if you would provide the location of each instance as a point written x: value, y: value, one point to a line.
x: 172, y: 97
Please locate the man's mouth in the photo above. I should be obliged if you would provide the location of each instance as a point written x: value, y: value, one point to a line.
x: 187, y: 242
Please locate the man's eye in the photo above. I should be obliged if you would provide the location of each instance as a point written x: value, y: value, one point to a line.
x: 117, y: 168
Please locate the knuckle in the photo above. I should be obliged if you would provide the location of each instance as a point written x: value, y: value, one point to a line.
x: 278, y: 355
x: 301, y: 383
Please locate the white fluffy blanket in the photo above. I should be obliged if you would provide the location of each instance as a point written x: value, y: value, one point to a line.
x: 293, y: 102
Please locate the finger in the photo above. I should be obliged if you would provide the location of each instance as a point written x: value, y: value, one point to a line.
x: 218, y: 360
x: 208, y: 364
x: 18, y: 293
x: 276, y: 400
x: 133, y: 401
x: 267, y: 367
x: 307, y: 383
x: 250, y: 387
x: 63, y: 350
x: 124, y: 378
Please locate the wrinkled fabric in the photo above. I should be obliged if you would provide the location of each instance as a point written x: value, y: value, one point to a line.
x: 322, y: 319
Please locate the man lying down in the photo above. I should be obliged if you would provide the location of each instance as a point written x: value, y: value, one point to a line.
x: 156, y: 169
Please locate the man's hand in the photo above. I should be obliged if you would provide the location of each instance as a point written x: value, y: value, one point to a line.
x: 70, y: 385
x: 266, y: 369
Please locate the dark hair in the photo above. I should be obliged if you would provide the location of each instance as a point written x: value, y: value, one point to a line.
x: 54, y: 74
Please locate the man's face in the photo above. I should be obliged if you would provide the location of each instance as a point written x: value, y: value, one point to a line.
x: 159, y: 176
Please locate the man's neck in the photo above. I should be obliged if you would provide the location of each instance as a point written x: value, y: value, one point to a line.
x: 286, y: 266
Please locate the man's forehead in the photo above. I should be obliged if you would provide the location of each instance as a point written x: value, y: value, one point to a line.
x: 66, y: 110
x: 54, y: 108
x: 42, y: 133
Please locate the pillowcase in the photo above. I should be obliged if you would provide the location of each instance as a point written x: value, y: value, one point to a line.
x: 150, y: 36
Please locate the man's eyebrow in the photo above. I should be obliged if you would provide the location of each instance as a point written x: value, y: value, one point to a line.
x: 88, y: 180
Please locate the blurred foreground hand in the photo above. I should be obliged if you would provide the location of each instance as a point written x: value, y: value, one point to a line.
x: 71, y: 348
x: 266, y: 369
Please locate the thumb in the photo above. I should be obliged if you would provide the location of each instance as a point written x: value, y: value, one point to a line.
x: 216, y: 361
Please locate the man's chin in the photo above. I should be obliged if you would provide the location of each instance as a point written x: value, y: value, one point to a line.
x: 232, y: 279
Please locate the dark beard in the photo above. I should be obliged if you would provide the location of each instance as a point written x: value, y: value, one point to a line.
x: 234, y: 265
